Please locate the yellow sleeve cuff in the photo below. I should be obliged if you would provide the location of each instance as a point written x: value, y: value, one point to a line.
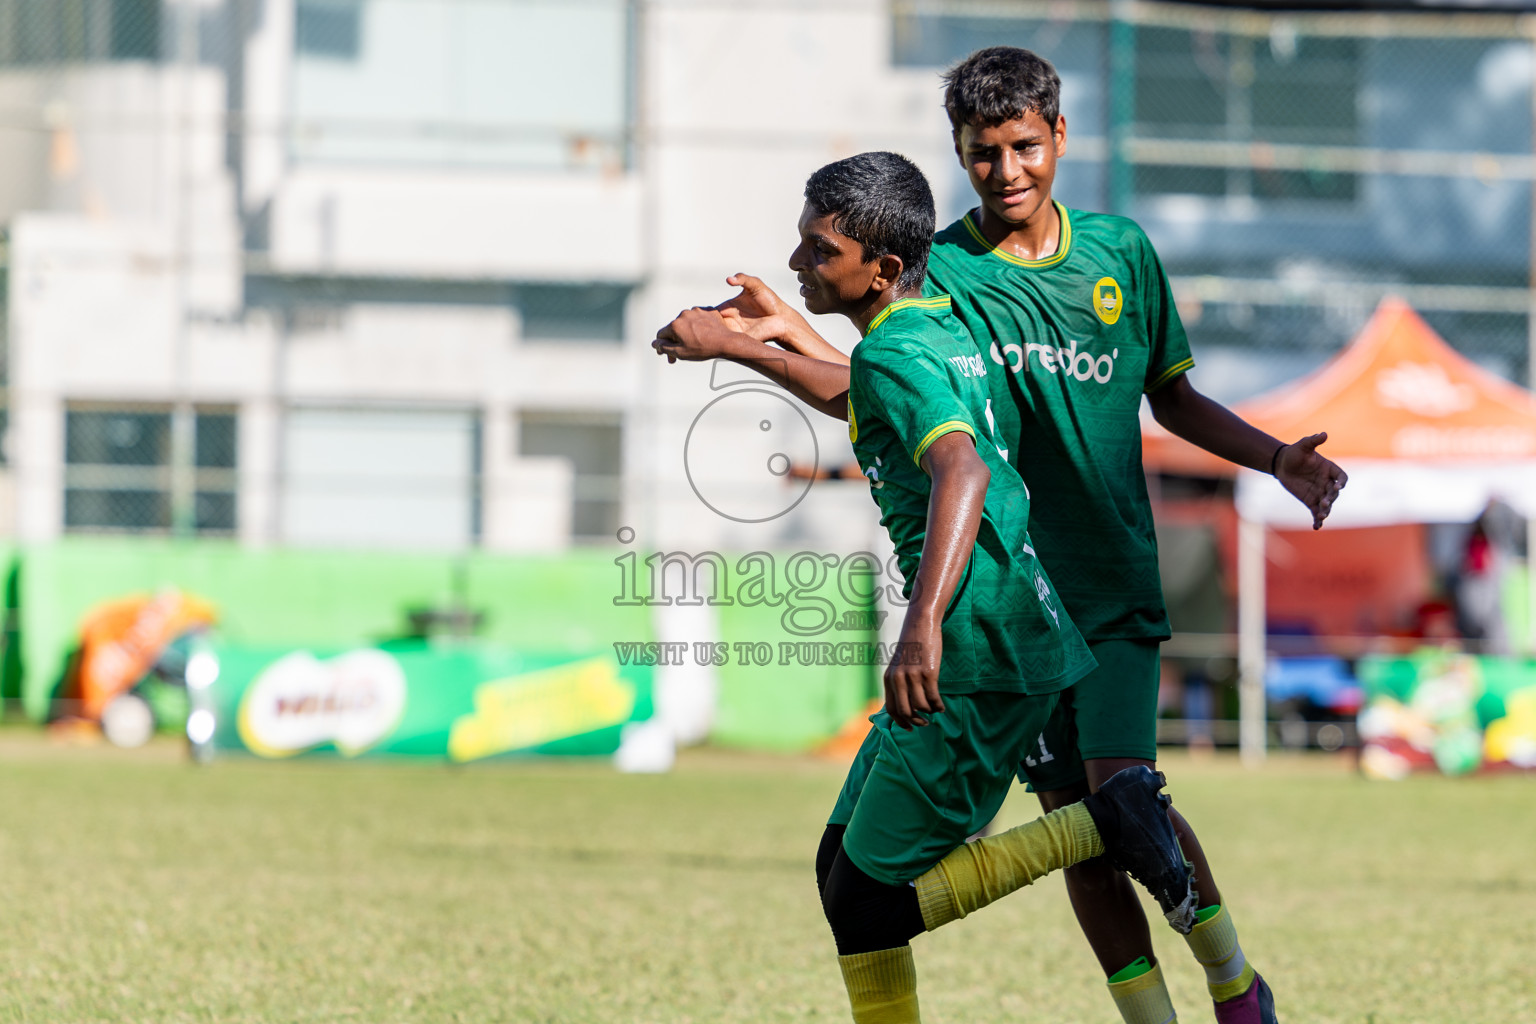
x: 1170, y: 373
x: 947, y: 427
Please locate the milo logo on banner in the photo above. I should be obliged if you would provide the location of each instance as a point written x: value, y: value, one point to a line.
x: 299, y: 702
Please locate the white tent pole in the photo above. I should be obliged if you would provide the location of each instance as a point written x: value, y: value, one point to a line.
x: 1530, y: 584
x: 1252, y: 731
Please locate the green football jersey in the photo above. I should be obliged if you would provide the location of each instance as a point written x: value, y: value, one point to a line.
x: 1081, y: 335
x: 915, y: 377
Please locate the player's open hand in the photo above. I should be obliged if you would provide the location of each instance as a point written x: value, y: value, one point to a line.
x: 765, y: 329
x: 695, y: 335
x: 912, y: 677
x: 764, y: 315
x: 1314, y: 479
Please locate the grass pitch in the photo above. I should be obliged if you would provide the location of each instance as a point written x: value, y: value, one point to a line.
x: 139, y: 888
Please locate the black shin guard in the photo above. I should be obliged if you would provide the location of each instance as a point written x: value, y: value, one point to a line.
x: 865, y: 914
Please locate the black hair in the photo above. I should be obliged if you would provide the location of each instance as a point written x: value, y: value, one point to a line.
x: 1001, y: 83
x: 883, y: 202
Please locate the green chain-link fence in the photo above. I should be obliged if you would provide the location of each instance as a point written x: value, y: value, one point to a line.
x: 1292, y: 168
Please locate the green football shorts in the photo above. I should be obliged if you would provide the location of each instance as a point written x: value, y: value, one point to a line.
x: 1110, y: 712
x: 913, y: 796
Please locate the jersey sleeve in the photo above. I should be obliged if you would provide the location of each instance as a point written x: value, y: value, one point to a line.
x: 909, y: 388
x: 1169, y: 354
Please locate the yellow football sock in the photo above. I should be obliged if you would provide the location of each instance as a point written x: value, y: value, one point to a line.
x: 975, y: 874
x: 882, y: 986
x: 1214, y: 943
x: 1144, y: 998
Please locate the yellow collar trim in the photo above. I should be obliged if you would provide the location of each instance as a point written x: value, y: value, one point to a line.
x: 1062, y: 247
x: 933, y: 302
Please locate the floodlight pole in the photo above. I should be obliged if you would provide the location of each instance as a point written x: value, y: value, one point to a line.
x: 1530, y: 367
x: 183, y: 454
x: 1253, y: 728
x: 1121, y: 105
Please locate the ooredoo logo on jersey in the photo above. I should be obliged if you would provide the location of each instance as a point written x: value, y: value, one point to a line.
x: 1069, y: 361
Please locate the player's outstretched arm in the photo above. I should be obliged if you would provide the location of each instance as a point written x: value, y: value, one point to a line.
x: 960, y: 481
x: 700, y: 334
x: 1314, y: 479
x: 767, y: 317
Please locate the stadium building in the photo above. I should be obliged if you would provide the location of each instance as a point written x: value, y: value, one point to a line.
x: 382, y: 273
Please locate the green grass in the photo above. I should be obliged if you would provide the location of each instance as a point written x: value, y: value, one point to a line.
x: 139, y: 888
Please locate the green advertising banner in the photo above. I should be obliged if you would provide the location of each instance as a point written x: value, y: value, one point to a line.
x: 333, y: 599
x: 775, y: 645
x: 456, y: 702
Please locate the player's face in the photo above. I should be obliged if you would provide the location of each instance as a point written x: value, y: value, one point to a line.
x: 834, y: 277
x: 1012, y: 165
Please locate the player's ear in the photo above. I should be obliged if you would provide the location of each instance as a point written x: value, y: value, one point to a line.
x: 887, y: 273
x: 955, y: 135
x: 1060, y: 131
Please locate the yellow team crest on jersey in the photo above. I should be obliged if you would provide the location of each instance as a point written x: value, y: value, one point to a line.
x: 1106, y: 300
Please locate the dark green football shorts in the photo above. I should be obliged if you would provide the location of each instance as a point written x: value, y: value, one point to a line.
x: 913, y: 796
x: 1110, y: 712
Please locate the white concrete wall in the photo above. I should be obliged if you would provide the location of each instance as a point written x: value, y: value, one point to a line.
x: 457, y: 224
x: 747, y: 102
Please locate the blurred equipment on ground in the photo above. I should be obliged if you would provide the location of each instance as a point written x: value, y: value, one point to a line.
x: 128, y: 673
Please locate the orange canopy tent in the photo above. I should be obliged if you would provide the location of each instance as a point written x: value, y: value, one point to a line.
x: 1426, y: 436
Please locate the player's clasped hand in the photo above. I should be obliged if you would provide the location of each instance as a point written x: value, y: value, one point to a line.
x: 912, y: 678
x: 1314, y: 479
x: 695, y: 335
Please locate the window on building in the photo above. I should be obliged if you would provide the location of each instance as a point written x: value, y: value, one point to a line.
x: 593, y: 442
x: 329, y: 28
x: 120, y: 470
x: 216, y: 440
x: 381, y: 478
x: 62, y: 31
x: 1212, y: 87
x: 572, y: 312
x: 135, y: 29
x: 484, y: 83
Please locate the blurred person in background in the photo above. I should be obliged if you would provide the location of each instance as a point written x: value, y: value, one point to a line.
x: 1480, y: 593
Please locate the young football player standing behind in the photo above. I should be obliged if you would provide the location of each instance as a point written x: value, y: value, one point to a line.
x: 1076, y: 311
x: 988, y: 645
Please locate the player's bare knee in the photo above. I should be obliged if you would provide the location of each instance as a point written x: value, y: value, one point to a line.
x: 1094, y: 876
x: 1055, y: 799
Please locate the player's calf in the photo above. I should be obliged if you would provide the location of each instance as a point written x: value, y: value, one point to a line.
x: 872, y: 923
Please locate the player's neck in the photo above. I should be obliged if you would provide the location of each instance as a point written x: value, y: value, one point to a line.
x: 1034, y: 239
x: 866, y: 316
